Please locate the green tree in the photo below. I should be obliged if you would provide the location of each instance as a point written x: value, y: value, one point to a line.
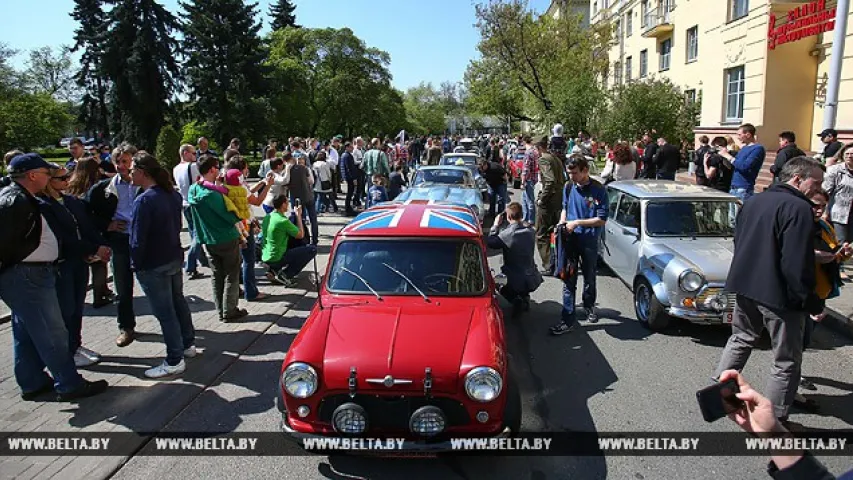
x: 225, y: 67
x: 493, y: 93
x: 168, y: 144
x: 10, y: 81
x: 52, y: 73
x: 643, y: 106
x: 424, y: 109
x: 192, y: 131
x: 30, y: 120
x: 140, y: 62
x: 282, y: 14
x: 90, y: 37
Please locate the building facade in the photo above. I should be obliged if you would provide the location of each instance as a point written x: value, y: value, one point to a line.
x: 764, y: 62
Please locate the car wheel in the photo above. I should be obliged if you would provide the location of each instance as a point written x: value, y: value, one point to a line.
x: 649, y: 310
x: 512, y: 410
x: 516, y: 184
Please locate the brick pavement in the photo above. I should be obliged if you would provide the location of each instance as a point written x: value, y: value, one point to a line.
x: 134, y: 403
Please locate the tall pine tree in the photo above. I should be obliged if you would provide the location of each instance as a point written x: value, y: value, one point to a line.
x: 282, y: 14
x: 89, y: 37
x: 139, y: 61
x: 224, y: 68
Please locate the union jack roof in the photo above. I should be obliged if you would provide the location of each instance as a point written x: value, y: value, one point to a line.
x: 415, y: 219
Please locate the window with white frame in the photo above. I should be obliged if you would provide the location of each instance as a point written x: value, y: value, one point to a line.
x: 618, y: 29
x: 617, y: 73
x: 629, y: 23
x: 738, y: 9
x: 628, y: 64
x: 644, y: 13
x: 665, y: 54
x: 644, y: 63
x: 735, y: 93
x: 690, y: 96
x: 692, y: 44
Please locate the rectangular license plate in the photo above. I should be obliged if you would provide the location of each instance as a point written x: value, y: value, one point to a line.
x: 728, y: 318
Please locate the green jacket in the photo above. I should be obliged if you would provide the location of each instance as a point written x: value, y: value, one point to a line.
x: 553, y: 179
x: 213, y: 223
x: 276, y: 231
x: 376, y: 162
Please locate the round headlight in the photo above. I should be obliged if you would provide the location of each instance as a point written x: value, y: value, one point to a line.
x: 350, y: 418
x: 691, y: 281
x: 299, y: 380
x: 428, y: 421
x: 483, y: 384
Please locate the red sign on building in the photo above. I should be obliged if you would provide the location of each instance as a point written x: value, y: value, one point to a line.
x: 807, y: 20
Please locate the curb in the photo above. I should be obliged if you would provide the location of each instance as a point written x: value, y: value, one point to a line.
x: 839, y: 323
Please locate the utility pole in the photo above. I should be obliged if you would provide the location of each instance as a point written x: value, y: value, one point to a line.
x: 830, y: 111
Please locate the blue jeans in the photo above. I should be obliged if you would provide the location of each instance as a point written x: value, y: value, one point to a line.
x: 71, y: 292
x: 497, y: 195
x: 666, y: 176
x: 195, y: 255
x: 588, y: 267
x: 528, y: 202
x: 123, y: 280
x: 39, y: 337
x: 250, y: 283
x: 309, y: 211
x: 294, y: 260
x: 324, y: 202
x: 164, y: 287
x: 743, y: 194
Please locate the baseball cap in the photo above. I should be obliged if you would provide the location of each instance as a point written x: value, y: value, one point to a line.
x: 29, y: 161
x: 827, y: 132
x: 339, y: 137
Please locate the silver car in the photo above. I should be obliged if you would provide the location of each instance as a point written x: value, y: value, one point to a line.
x: 446, y: 184
x: 469, y: 160
x: 672, y: 244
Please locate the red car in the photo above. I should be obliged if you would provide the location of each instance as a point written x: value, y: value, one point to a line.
x: 516, y: 165
x: 407, y: 338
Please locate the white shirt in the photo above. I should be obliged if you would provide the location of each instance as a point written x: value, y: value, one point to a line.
x: 48, y: 249
x: 278, y: 185
x: 333, y: 158
x: 324, y: 174
x: 358, y: 155
x: 179, y: 173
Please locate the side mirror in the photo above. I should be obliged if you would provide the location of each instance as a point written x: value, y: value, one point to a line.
x: 501, y: 280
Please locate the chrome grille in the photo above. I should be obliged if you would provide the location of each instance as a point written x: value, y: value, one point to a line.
x: 709, y: 292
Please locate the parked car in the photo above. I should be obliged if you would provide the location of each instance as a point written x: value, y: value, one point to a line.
x: 516, y: 165
x: 672, y: 244
x: 470, y: 161
x: 406, y: 338
x: 446, y: 183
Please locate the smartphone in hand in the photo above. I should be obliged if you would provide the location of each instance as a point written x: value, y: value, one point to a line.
x: 719, y: 400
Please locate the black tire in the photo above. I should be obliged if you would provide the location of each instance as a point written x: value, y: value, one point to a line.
x: 512, y: 410
x: 516, y: 184
x: 650, y: 313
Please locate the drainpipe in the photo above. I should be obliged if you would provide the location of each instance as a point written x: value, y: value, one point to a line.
x: 830, y: 111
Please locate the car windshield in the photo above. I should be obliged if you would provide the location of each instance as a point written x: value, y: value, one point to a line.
x: 452, y: 267
x: 469, y: 162
x: 699, y: 218
x: 446, y: 176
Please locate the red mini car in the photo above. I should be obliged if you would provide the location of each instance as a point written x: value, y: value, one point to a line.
x: 407, y: 337
x: 516, y: 165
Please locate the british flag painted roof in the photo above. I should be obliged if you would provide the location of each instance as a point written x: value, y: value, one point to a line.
x: 415, y: 218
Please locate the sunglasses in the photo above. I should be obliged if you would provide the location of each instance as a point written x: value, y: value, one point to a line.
x: 63, y: 178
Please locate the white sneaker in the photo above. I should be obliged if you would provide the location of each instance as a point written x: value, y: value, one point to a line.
x: 191, y: 352
x: 91, y: 354
x: 166, y: 370
x: 81, y: 360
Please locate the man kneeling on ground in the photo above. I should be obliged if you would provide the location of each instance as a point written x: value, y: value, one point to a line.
x: 284, y: 263
x: 518, y: 243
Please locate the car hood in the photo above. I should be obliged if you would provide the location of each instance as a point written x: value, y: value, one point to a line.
x: 711, y: 256
x: 401, y: 341
x: 443, y: 193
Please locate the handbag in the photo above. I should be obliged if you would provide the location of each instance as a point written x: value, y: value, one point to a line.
x: 325, y: 185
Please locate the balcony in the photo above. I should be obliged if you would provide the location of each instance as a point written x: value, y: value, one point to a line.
x: 658, y: 24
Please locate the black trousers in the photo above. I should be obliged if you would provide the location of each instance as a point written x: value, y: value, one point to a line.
x: 351, y: 194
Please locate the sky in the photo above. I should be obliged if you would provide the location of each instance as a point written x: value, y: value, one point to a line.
x: 428, y: 40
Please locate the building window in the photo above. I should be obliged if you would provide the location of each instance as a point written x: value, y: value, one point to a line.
x: 690, y: 96
x: 692, y: 44
x: 629, y: 23
x: 644, y: 13
x: 618, y: 29
x: 594, y: 8
x: 628, y: 62
x: 644, y: 63
x: 617, y: 73
x: 738, y: 9
x: 665, y: 54
x: 735, y: 93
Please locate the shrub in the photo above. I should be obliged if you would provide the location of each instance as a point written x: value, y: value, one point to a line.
x: 168, y: 143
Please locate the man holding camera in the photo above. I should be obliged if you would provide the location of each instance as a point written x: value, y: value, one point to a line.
x: 517, y: 242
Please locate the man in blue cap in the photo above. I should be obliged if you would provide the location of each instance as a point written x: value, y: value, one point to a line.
x: 29, y: 252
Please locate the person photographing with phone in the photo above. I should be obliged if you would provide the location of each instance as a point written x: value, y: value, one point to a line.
x: 518, y: 242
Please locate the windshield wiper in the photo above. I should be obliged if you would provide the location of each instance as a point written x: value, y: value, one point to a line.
x: 389, y: 267
x: 362, y: 281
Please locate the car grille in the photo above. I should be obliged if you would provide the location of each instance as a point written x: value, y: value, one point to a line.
x: 731, y: 298
x: 393, y: 412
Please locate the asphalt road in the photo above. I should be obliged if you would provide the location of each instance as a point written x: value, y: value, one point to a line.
x: 606, y: 377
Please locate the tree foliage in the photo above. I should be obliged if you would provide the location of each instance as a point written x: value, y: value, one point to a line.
x: 168, y: 144
x: 30, y: 120
x: 52, y: 73
x: 140, y: 61
x: 225, y: 67
x: 282, y: 14
x: 491, y: 92
x: 425, y: 109
x: 643, y: 106
x: 89, y: 38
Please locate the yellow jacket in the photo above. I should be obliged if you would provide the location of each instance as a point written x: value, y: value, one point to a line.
x: 239, y: 197
x: 825, y: 284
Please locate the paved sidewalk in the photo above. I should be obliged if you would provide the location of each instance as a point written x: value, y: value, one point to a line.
x: 134, y: 403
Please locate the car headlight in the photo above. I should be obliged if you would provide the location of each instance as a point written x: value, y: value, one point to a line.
x: 691, y: 281
x: 299, y: 380
x: 483, y: 384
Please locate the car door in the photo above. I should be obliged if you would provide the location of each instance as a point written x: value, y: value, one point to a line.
x: 607, y: 250
x: 624, y: 237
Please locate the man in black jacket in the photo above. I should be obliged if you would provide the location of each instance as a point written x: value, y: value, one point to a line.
x: 666, y: 160
x: 699, y: 161
x: 773, y: 274
x: 649, y: 167
x: 29, y: 252
x: 788, y: 150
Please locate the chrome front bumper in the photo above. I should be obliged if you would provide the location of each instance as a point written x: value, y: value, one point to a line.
x: 417, y: 446
x: 696, y: 316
